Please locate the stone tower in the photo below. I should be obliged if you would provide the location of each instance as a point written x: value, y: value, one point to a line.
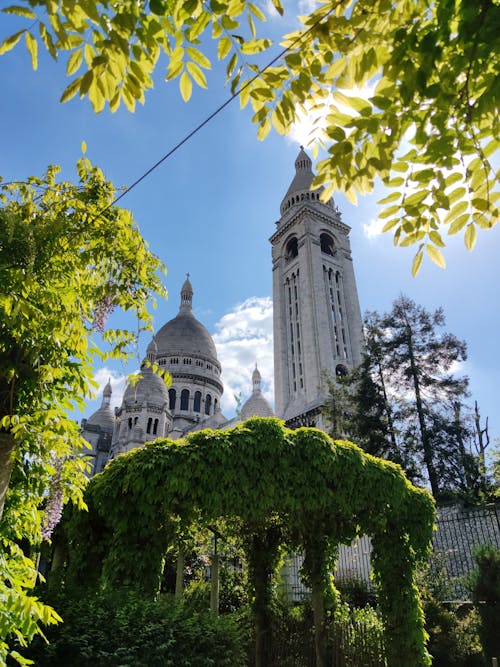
x: 317, y: 319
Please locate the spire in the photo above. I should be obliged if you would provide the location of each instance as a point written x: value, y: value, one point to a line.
x: 300, y: 187
x: 303, y: 173
x: 186, y: 296
x: 106, y: 394
x: 256, y: 379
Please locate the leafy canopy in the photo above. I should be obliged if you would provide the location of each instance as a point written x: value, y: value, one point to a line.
x: 406, y: 91
x: 67, y: 258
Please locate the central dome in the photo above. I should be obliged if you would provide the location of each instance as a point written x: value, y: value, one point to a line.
x: 183, y: 335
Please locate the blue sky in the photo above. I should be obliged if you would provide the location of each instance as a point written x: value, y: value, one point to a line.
x: 210, y: 209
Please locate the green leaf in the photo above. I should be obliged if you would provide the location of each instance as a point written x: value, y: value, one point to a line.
x: 436, y: 255
x: 10, y: 42
x: 458, y: 224
x: 387, y: 212
x: 74, y: 62
x: 185, y: 86
x: 197, y: 74
x: 84, y: 147
x: 223, y: 47
x: 417, y: 263
x: 470, y: 236
x: 435, y: 237
x: 394, y: 196
x: 400, y: 166
x: 32, y: 46
x: 19, y: 11
x: 71, y: 90
x: 198, y: 57
x: 455, y: 211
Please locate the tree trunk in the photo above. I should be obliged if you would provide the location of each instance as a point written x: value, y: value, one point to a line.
x: 7, y: 450
x: 179, y: 578
x: 388, y: 413
x: 214, y: 584
x: 262, y: 552
x: 318, y: 605
x: 426, y: 445
x: 483, y: 440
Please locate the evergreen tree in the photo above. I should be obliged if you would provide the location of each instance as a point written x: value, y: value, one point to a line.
x: 419, y: 358
x: 404, y: 404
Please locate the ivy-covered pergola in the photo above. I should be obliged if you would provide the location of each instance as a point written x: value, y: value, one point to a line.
x: 285, y: 490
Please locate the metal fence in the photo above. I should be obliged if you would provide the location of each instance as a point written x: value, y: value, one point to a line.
x: 459, y: 531
x: 349, y: 644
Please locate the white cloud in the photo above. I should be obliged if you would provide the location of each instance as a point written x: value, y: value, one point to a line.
x: 373, y: 228
x: 307, y: 6
x: 244, y: 337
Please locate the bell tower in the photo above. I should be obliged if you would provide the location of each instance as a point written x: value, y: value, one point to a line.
x: 317, y: 319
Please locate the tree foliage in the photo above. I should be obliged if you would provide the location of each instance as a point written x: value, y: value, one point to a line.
x: 404, y: 91
x: 404, y: 402
x: 67, y: 258
x: 283, y: 490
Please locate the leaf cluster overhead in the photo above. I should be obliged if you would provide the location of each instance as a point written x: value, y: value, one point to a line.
x: 407, y: 91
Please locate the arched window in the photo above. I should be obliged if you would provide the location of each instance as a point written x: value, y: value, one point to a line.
x: 136, y: 419
x: 197, y: 401
x: 130, y: 422
x: 185, y: 399
x: 340, y: 371
x: 171, y: 399
x: 208, y: 404
x: 155, y: 427
x: 215, y: 405
x: 292, y: 248
x: 150, y: 421
x: 326, y: 243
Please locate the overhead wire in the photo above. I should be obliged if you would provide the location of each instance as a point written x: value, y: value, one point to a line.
x: 201, y: 125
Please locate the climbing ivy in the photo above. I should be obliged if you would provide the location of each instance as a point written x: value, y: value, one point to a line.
x: 281, y: 490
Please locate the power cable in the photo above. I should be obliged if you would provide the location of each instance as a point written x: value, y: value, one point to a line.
x: 217, y: 111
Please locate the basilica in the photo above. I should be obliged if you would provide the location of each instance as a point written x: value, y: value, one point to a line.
x: 317, y: 329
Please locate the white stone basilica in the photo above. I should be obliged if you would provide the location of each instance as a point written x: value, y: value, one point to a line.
x: 317, y: 328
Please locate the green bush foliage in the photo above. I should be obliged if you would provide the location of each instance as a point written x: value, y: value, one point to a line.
x: 124, y: 629
x: 485, y: 586
x: 283, y: 491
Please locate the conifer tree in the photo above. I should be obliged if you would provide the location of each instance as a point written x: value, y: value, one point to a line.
x: 419, y: 358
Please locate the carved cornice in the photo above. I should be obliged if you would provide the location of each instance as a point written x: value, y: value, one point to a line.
x: 333, y: 220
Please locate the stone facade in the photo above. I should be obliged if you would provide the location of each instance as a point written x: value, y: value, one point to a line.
x: 317, y: 318
x: 317, y: 329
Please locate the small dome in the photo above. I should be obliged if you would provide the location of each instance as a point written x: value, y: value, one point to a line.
x: 151, y: 387
x: 103, y: 418
x: 256, y: 405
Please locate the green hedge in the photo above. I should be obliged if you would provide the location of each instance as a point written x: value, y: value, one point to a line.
x: 121, y: 629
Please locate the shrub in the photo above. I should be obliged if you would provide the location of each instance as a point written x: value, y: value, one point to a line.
x: 122, y: 629
x: 484, y: 584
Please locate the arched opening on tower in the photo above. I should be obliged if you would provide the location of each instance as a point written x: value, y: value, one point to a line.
x: 340, y: 371
x: 292, y: 248
x: 197, y: 401
x: 326, y: 243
